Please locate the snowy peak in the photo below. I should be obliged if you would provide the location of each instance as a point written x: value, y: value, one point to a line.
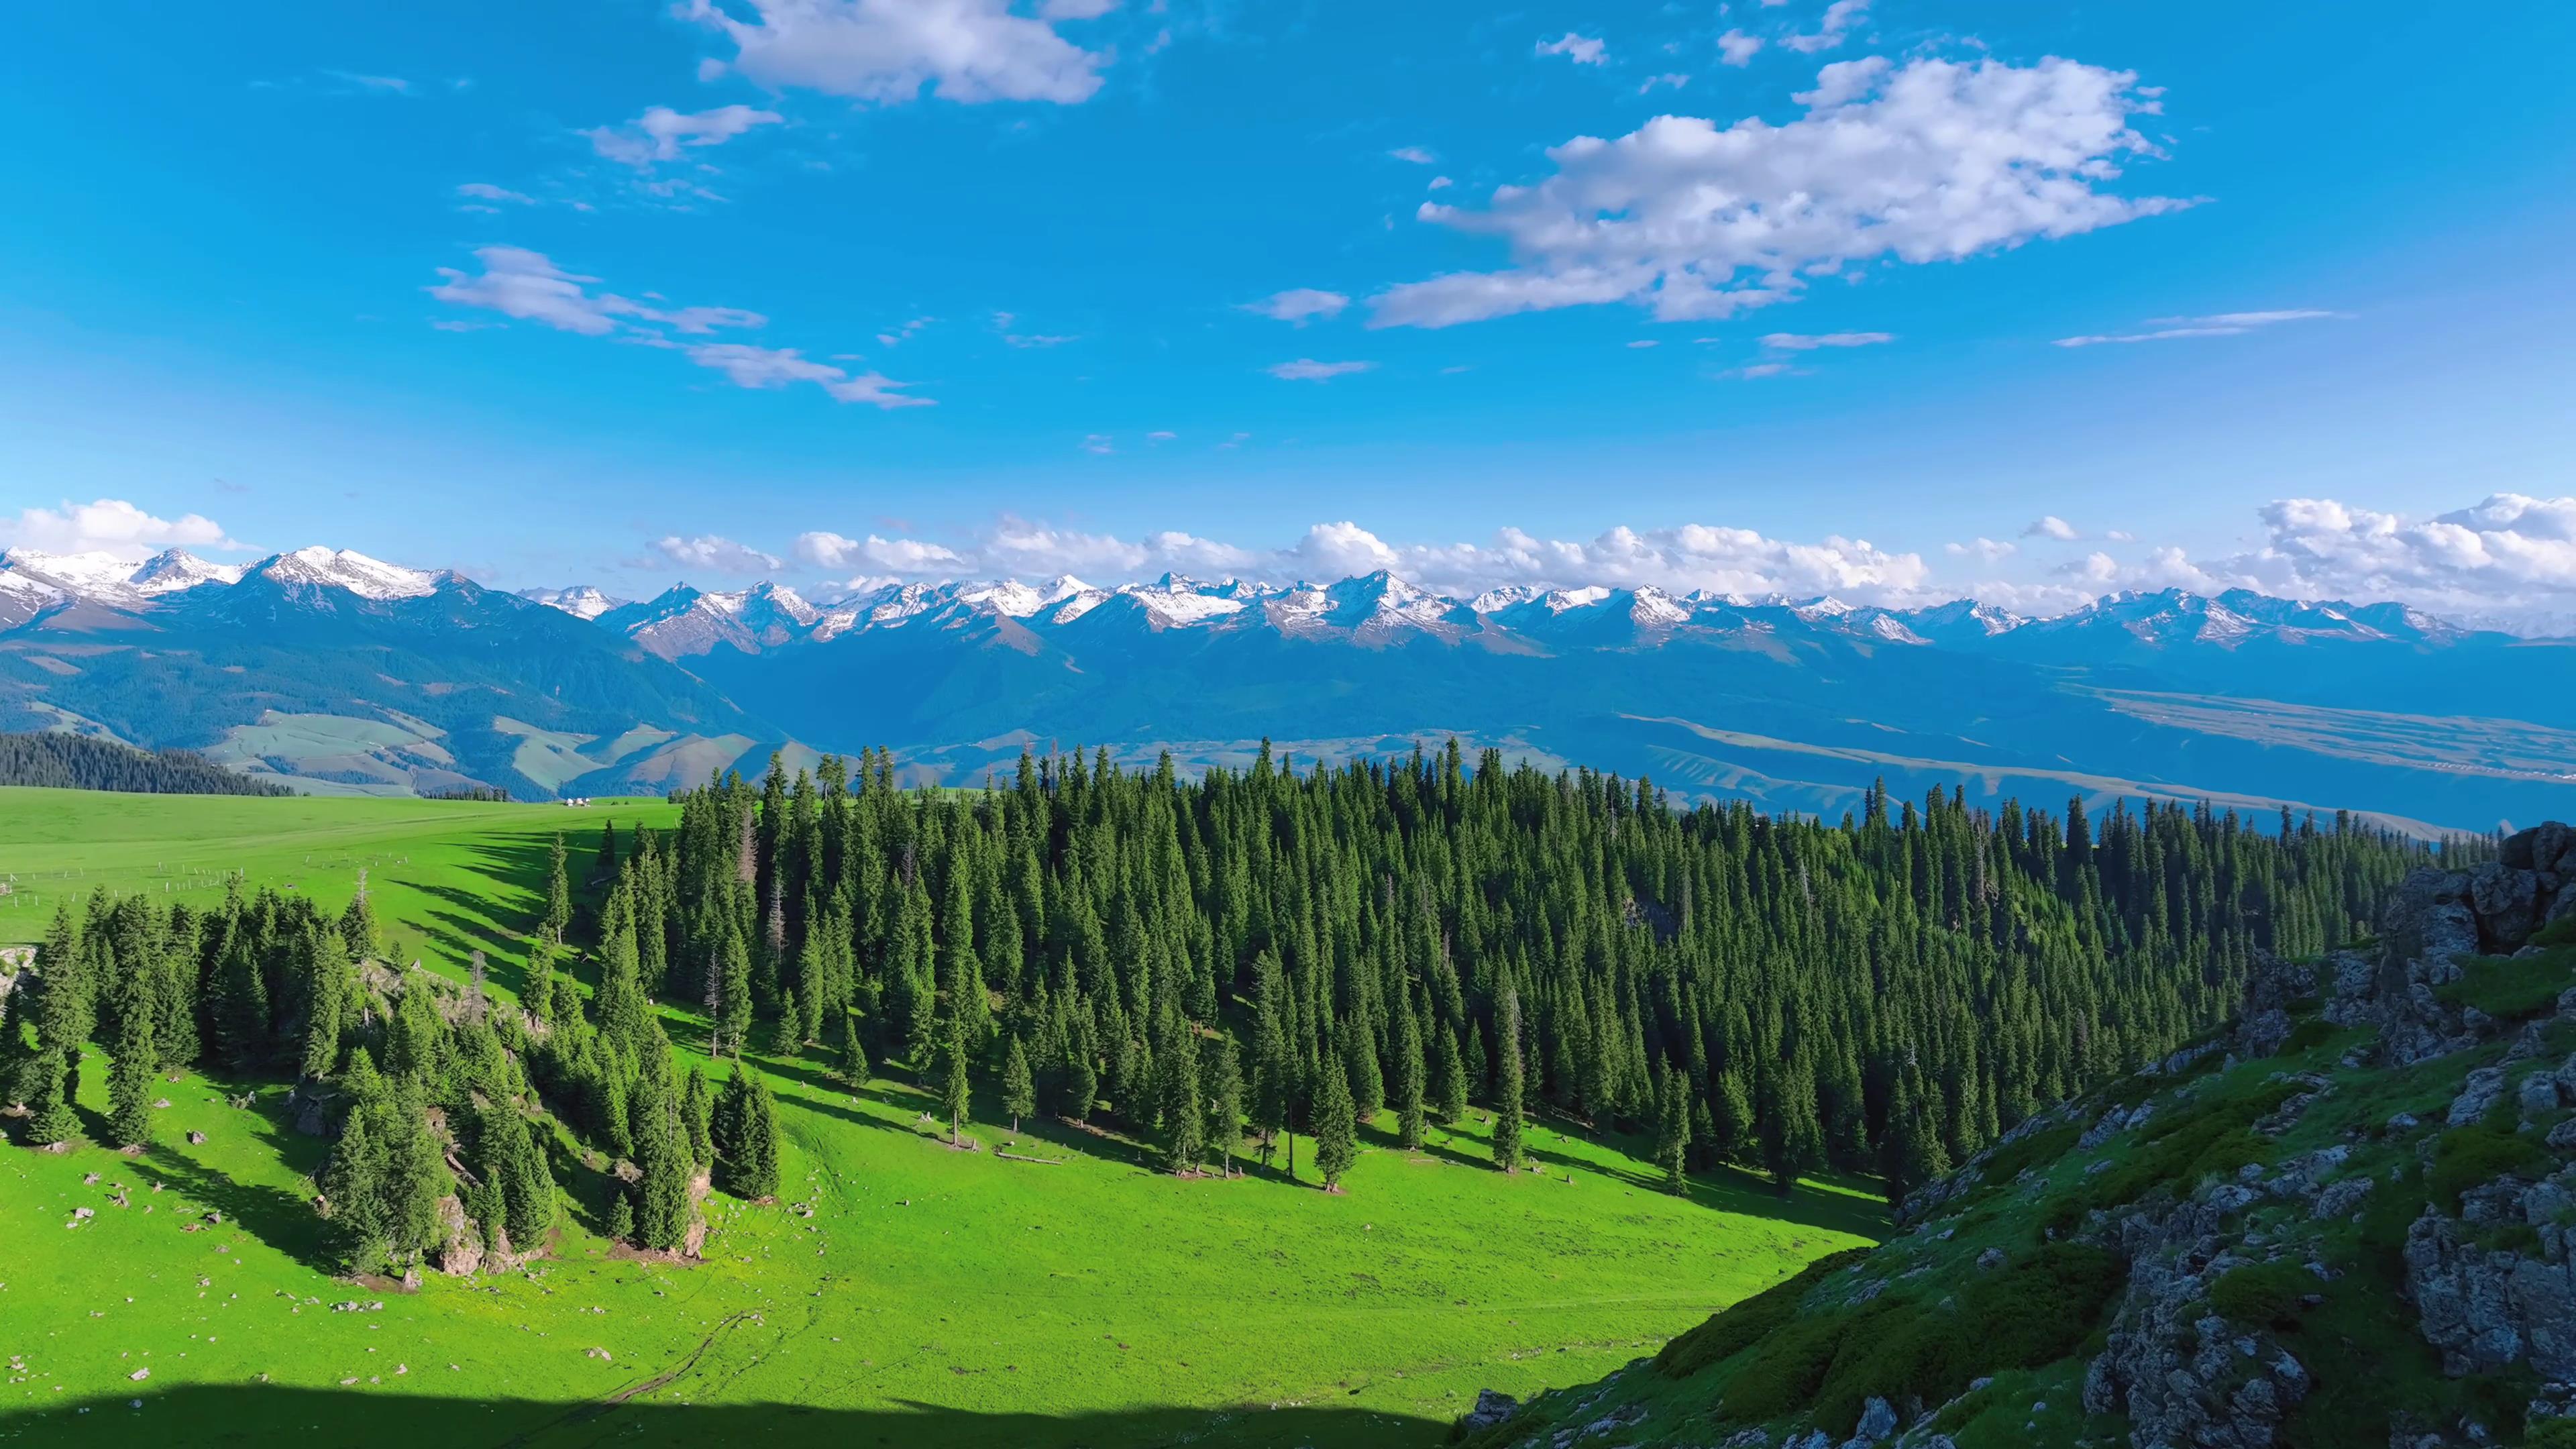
x: 176, y: 570
x: 116, y: 579
x: 347, y: 570
x: 581, y: 600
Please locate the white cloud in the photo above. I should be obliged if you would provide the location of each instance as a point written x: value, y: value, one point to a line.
x: 383, y: 85
x: 825, y: 550
x: 1097, y: 443
x: 1181, y: 551
x: 913, y: 556
x: 1075, y: 9
x: 2507, y: 552
x: 1737, y: 48
x: 1439, y: 183
x: 770, y: 367
x: 1160, y: 435
x: 1298, y: 304
x: 109, y: 525
x: 2223, y: 324
x: 709, y: 551
x: 1017, y: 546
x: 1758, y: 370
x: 1934, y: 161
x: 903, y: 333
x: 1339, y: 550
x: 2050, y: 526
x: 1840, y: 17
x: 486, y: 191
x: 1581, y: 49
x: 1307, y: 369
x: 1415, y: 154
x: 1643, y: 343
x: 660, y: 133
x: 890, y: 51
x: 1987, y: 550
x: 527, y: 285
x: 1795, y: 342
x: 1673, y: 79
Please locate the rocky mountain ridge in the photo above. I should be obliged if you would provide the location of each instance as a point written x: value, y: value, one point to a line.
x: 2349, y: 1218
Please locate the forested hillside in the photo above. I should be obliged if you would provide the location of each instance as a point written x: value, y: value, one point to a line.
x: 1222, y: 965
x: 79, y: 762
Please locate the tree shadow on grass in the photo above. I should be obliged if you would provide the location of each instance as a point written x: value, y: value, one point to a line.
x: 262, y: 1415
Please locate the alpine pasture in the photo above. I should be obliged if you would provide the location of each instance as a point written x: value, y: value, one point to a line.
x: 1052, y: 1287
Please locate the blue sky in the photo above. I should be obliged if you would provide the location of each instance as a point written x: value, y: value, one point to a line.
x: 626, y: 292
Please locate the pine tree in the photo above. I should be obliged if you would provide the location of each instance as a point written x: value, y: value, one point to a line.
x: 1672, y: 1131
x: 790, y: 1039
x: 1019, y: 1089
x: 51, y: 1120
x: 1225, y: 1102
x: 1409, y: 1084
x: 621, y: 1217
x: 1081, y: 1084
x: 1508, y: 1088
x: 353, y: 1194
x: 330, y: 987
x: 1184, y: 1120
x: 558, y: 917
x: 1448, y: 1078
x: 746, y: 1121
x: 952, y: 1079
x: 129, y: 1081
x: 733, y: 1005
x: 1331, y: 1127
x: 697, y: 1109
x: 854, y: 1058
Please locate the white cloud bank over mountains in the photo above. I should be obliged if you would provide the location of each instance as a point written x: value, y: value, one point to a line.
x: 2507, y: 561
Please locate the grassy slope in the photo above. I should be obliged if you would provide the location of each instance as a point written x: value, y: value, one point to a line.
x: 935, y: 1296
x: 2360, y: 1341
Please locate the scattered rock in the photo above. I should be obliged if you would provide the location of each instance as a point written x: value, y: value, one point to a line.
x: 1990, y: 1259
x: 139, y: 1375
x: 1491, y: 1408
x: 196, y: 1138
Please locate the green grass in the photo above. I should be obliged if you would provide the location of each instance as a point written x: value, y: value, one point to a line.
x: 2510, y: 990
x: 935, y: 1297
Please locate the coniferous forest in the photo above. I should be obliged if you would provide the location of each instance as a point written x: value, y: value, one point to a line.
x: 1219, y: 966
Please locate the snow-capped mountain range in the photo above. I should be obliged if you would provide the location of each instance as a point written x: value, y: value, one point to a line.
x: 1380, y: 609
x: 334, y: 670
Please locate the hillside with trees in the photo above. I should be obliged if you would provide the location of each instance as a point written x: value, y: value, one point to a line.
x: 82, y: 762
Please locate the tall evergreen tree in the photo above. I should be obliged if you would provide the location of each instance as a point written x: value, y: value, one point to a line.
x: 854, y: 1058
x: 1509, y: 1154
x: 1019, y: 1088
x: 1409, y: 1083
x: 1672, y: 1131
x: 1335, y: 1147
x: 129, y: 1081
x: 1184, y: 1119
x: 1225, y: 1102
x: 953, y: 1091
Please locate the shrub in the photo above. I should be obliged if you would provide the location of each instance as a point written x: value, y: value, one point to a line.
x: 2550, y: 1434
x: 2306, y: 1036
x: 2023, y: 1315
x: 1737, y: 1328
x: 2013, y: 1158
x: 2263, y: 1295
x: 2560, y: 932
x: 2466, y: 1157
x: 2510, y: 990
x: 1784, y: 1371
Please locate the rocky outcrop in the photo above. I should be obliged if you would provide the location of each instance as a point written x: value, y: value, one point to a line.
x: 2487, y: 1307
x: 2432, y: 920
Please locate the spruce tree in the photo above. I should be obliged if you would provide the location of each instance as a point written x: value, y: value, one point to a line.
x: 329, y: 990
x: 733, y: 1004
x: 952, y: 1079
x: 789, y: 1042
x: 558, y: 917
x: 1672, y: 1130
x: 1448, y: 1078
x: 697, y: 1108
x: 1184, y: 1119
x: 1332, y: 1129
x: 130, y: 1079
x: 621, y: 1216
x: 353, y: 1194
x: 51, y: 1121
x: 1225, y: 1102
x: 1409, y: 1084
x: 1081, y: 1084
x: 854, y: 1058
x: 1509, y: 1154
x: 1019, y: 1088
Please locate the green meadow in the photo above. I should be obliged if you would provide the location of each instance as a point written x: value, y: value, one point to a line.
x: 1048, y: 1289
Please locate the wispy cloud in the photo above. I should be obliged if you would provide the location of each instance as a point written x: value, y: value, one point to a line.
x: 2220, y: 324
x: 1307, y: 369
x: 661, y: 133
x: 1299, y: 305
x: 1796, y: 342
